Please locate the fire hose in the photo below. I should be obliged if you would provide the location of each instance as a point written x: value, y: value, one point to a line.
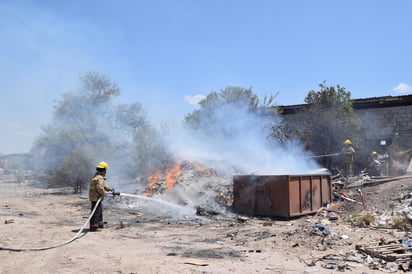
x: 75, y: 237
x: 324, y: 155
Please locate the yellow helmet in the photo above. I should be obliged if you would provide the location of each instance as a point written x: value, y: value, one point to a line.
x: 103, y: 165
x: 347, y: 142
x: 374, y: 153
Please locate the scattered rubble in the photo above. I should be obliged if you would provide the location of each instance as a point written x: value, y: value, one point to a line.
x: 367, y: 223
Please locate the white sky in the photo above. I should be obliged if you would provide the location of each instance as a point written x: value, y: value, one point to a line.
x: 165, y: 54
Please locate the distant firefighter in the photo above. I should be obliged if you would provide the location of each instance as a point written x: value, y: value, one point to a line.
x: 348, y: 157
x: 374, y: 164
x: 378, y: 164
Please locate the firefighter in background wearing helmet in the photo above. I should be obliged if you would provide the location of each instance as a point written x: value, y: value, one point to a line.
x: 375, y: 164
x: 97, y: 189
x: 348, y: 153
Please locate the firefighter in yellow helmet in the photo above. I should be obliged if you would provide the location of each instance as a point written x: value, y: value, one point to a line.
x: 97, y: 189
x: 375, y: 167
x: 348, y: 157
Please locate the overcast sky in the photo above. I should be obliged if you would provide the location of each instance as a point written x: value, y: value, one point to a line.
x: 167, y: 54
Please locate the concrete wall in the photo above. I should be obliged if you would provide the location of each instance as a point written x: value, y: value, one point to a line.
x: 386, y: 127
x: 390, y: 124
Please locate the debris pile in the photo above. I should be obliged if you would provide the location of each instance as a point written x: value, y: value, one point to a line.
x: 382, y: 206
x: 376, y: 204
x: 190, y: 184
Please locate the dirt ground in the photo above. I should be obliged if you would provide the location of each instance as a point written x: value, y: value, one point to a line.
x: 137, y: 240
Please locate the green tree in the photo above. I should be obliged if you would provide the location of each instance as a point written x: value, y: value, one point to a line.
x: 78, y: 132
x: 219, y: 111
x: 144, y: 151
x: 329, y: 120
x: 88, y: 127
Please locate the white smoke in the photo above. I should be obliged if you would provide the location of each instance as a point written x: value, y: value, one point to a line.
x: 248, y: 149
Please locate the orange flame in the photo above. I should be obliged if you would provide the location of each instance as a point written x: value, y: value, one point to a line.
x: 153, y: 181
x: 201, y: 169
x: 198, y: 166
x: 172, y: 175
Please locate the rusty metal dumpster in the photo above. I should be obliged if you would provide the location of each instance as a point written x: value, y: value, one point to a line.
x: 280, y: 195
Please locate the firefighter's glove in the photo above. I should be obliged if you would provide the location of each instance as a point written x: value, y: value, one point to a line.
x: 115, y: 193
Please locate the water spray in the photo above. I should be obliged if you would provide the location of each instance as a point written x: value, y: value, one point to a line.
x: 161, y: 202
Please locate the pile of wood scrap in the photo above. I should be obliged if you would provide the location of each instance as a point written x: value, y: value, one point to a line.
x: 398, y: 253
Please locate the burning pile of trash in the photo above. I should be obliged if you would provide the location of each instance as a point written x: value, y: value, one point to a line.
x: 189, y: 184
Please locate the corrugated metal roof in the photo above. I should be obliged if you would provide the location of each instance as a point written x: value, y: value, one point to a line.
x: 362, y: 103
x: 384, y: 101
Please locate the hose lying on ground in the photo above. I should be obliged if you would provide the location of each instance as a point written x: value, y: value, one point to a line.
x: 75, y: 237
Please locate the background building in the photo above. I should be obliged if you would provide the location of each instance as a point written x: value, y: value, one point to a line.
x: 386, y: 127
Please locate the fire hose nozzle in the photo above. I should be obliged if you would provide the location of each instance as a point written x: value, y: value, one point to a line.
x: 116, y: 193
